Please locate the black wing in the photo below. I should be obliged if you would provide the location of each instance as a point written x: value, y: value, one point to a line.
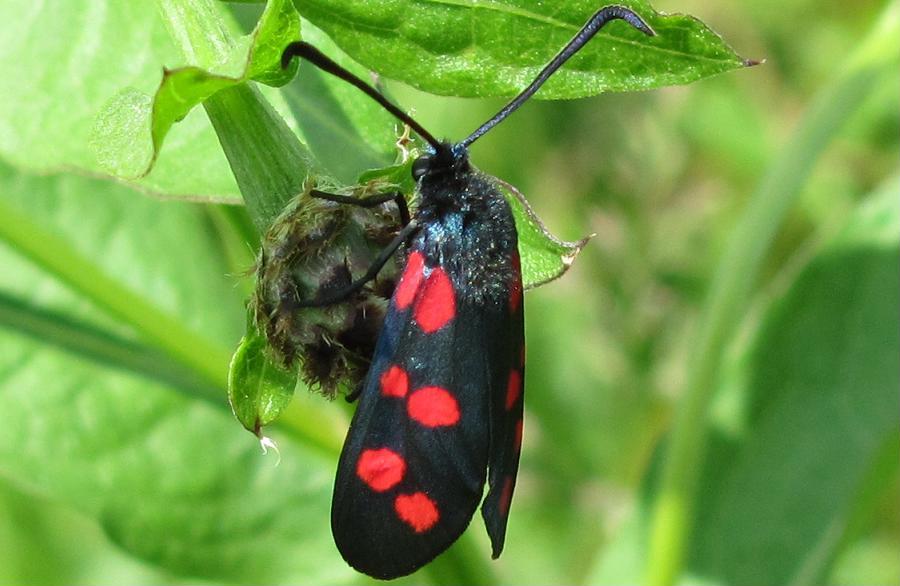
x: 507, y: 401
x: 413, y: 468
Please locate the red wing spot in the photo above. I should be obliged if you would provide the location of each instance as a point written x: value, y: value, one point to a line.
x: 381, y: 469
x: 515, y: 296
x: 513, y: 388
x: 506, y: 495
x: 410, y: 281
x: 433, y: 407
x: 394, y: 382
x: 437, y: 304
x: 517, y: 437
x: 417, y: 510
x: 515, y: 290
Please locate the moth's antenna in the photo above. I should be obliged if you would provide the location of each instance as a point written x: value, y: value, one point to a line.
x: 306, y: 51
x: 587, y: 32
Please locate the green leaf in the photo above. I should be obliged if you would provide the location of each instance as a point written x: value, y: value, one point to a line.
x: 494, y: 48
x: 167, y: 473
x: 82, y: 274
x: 64, y: 61
x: 824, y: 373
x: 97, y: 343
x: 399, y: 175
x: 818, y: 413
x: 751, y: 239
x: 259, y: 389
x: 278, y: 26
x: 121, y: 140
x: 544, y: 256
x: 36, y: 538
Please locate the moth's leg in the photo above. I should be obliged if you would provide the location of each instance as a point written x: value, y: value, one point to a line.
x: 356, y: 392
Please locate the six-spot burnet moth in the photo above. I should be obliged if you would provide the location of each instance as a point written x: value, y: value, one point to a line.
x: 440, y: 410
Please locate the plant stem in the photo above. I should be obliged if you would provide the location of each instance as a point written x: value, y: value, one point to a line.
x: 154, y: 325
x: 238, y: 239
x: 269, y: 162
x: 198, y: 30
x: 733, y: 282
x: 204, y: 360
x: 105, y: 348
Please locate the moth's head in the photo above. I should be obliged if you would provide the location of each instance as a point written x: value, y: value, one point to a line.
x: 441, y: 162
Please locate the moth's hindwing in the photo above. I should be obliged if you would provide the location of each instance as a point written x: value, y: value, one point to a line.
x: 507, y: 409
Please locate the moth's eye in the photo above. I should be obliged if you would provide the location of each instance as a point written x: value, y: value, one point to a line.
x: 420, y: 167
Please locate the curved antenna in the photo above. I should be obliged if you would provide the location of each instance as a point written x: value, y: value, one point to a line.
x: 306, y: 51
x: 587, y: 32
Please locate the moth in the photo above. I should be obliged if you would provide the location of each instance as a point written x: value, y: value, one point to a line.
x: 440, y: 409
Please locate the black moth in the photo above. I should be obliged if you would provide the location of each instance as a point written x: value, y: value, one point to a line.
x: 440, y: 410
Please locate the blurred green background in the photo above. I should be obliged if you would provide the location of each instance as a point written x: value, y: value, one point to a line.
x: 118, y: 467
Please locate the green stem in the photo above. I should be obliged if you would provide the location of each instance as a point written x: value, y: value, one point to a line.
x: 268, y: 161
x: 155, y: 326
x: 199, y: 30
x: 734, y: 280
x: 109, y: 350
x: 239, y: 241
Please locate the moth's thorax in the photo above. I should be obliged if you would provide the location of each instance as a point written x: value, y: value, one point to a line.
x: 467, y: 226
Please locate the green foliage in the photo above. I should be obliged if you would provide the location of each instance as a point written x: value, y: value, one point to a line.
x: 259, y: 389
x: 544, y: 257
x: 822, y: 398
x: 49, y: 111
x: 711, y: 390
x: 125, y: 149
x: 489, y: 48
x: 154, y: 461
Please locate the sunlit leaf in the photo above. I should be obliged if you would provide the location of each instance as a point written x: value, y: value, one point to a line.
x: 167, y: 473
x: 121, y: 139
x: 259, y: 389
x: 494, y: 48
x: 544, y: 256
x: 63, y: 61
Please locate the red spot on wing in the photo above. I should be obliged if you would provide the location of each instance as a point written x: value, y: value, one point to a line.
x: 506, y: 495
x: 381, y: 469
x: 417, y: 510
x: 515, y: 289
x: 410, y: 281
x: 513, y: 388
x: 394, y: 382
x: 517, y: 437
x: 436, y: 304
x: 433, y: 407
